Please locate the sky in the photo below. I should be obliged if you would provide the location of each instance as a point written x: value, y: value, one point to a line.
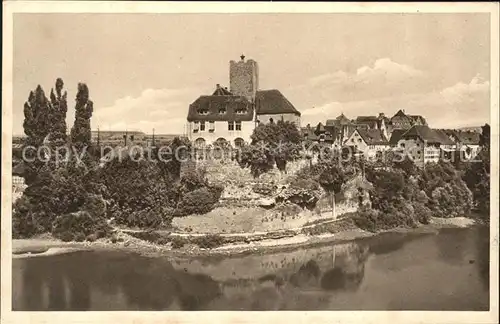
x: 143, y: 70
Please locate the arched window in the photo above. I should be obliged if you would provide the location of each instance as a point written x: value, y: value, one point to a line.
x: 221, y: 142
x: 200, y: 142
x: 239, y: 142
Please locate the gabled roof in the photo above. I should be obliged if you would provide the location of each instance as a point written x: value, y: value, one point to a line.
x: 316, y: 133
x: 400, y: 113
x: 220, y: 108
x: 396, y: 136
x: 270, y: 102
x: 220, y: 91
x: 373, y: 136
x: 417, y: 118
x: 443, y: 137
x: 340, y: 120
x: 19, y: 169
x: 425, y: 133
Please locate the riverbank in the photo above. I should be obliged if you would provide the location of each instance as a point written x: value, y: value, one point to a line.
x: 47, y: 245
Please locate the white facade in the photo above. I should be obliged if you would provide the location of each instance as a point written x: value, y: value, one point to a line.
x: 206, y: 132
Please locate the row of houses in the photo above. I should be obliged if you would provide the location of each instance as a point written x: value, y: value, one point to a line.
x: 410, y: 134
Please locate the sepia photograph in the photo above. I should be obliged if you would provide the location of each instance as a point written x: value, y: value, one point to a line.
x: 163, y: 157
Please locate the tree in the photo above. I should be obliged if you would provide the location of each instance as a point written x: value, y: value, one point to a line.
x: 37, y: 126
x: 80, y: 133
x: 331, y: 179
x: 57, y: 118
x: 272, y: 144
x: 477, y: 175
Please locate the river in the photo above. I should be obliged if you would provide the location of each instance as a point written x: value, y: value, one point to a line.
x: 393, y: 271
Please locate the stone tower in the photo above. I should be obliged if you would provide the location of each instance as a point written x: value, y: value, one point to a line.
x: 244, y: 78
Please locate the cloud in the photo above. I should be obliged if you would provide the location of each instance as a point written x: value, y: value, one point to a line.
x: 461, y: 92
x: 463, y: 104
x: 164, y: 110
x: 382, y: 79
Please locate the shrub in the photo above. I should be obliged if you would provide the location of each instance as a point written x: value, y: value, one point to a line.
x: 199, y: 201
x: 265, y: 189
x: 210, y: 241
x: 77, y: 226
x: 178, y: 242
x: 303, y: 192
x: 367, y: 219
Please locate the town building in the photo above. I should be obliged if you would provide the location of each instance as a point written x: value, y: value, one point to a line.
x: 423, y: 144
x: 401, y: 120
x: 466, y: 142
x: 231, y: 115
x: 368, y: 141
x: 321, y: 134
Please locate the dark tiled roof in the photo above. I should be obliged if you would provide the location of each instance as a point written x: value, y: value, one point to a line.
x: 315, y: 133
x: 396, y: 136
x: 373, y: 136
x: 463, y: 137
x: 209, y: 108
x: 443, y: 137
x: 220, y: 91
x: 340, y: 120
x: 427, y: 134
x: 19, y: 169
x: 418, y: 118
x: 400, y: 113
x: 273, y: 102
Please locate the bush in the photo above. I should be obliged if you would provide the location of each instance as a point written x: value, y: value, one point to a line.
x: 303, y: 192
x: 210, y: 241
x: 77, y: 226
x: 265, y: 189
x: 199, y: 201
x: 367, y: 219
x: 178, y: 242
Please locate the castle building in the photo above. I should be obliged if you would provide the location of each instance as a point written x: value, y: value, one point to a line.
x: 231, y: 115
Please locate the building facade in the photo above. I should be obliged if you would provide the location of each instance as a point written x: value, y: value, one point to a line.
x: 231, y: 115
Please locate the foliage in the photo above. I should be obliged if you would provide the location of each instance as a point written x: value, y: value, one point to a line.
x: 79, y: 226
x: 210, y: 241
x: 169, y: 161
x: 477, y: 175
x: 448, y: 193
x: 57, y: 118
x: 198, y: 201
x: 272, y: 144
x: 258, y: 158
x: 265, y: 189
x: 80, y: 132
x: 303, y: 192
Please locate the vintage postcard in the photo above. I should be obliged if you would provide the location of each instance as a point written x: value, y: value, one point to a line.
x: 291, y: 162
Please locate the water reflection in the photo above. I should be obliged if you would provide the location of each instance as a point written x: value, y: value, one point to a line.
x: 307, y: 279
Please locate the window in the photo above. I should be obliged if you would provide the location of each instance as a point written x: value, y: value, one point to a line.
x: 230, y: 126
x: 241, y: 112
x: 359, y: 140
x: 202, y: 126
x: 238, y: 125
x: 203, y: 112
x: 222, y: 110
x: 196, y: 126
x: 211, y: 126
x: 402, y: 145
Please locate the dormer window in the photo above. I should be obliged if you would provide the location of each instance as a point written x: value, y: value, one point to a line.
x: 222, y: 110
x: 203, y: 112
x: 241, y: 112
